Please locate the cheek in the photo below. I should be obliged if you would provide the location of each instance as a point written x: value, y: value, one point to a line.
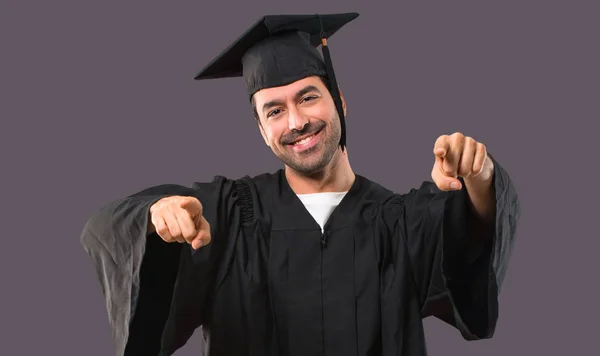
x: 321, y: 111
x: 279, y: 128
x: 272, y: 134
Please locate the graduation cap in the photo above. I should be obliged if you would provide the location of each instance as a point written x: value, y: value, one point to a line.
x: 280, y: 49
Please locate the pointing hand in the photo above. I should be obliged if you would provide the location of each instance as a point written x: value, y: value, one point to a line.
x: 459, y: 156
x: 179, y: 218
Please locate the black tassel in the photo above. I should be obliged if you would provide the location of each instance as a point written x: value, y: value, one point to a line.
x: 335, y: 92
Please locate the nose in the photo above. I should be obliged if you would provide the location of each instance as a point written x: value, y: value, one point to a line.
x: 296, y: 121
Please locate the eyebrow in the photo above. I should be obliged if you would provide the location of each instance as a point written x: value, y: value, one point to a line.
x: 299, y: 94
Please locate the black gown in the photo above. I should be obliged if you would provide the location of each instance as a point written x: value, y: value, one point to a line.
x: 271, y: 283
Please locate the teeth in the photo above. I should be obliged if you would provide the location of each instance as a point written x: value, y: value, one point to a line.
x: 304, y: 140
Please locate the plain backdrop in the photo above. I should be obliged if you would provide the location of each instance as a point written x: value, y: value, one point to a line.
x: 98, y: 101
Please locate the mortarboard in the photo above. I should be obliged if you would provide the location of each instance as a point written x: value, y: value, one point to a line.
x: 281, y: 49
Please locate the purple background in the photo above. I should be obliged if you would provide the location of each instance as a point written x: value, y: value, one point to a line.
x: 98, y: 101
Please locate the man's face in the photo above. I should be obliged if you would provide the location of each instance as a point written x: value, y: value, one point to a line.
x: 300, y: 123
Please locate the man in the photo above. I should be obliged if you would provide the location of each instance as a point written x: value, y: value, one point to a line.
x: 312, y: 259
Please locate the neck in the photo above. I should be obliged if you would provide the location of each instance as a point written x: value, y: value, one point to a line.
x: 337, y: 176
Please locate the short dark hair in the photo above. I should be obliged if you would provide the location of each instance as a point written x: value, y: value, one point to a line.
x: 255, y: 111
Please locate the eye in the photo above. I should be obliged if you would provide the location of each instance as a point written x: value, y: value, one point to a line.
x: 273, y: 112
x: 308, y: 98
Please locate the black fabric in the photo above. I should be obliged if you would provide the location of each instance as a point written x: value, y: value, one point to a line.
x: 281, y: 60
x: 276, y: 50
x: 335, y: 93
x: 271, y: 283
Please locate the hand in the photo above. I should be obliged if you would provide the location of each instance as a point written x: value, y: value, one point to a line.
x: 179, y: 218
x: 459, y: 156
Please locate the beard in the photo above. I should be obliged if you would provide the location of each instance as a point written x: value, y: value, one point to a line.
x: 315, y: 158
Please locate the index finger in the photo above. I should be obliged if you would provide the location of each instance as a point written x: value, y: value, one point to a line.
x: 202, y: 237
x: 441, y: 146
x: 186, y: 224
x: 192, y: 205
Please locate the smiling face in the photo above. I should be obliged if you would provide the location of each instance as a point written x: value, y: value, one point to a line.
x: 300, y: 123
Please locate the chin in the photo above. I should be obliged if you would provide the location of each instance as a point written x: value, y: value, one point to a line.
x: 312, y: 163
x: 311, y: 160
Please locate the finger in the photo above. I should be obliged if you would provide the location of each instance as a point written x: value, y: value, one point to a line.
x: 203, y: 236
x: 479, y: 159
x: 441, y: 146
x: 439, y: 165
x: 467, y: 157
x: 192, y: 205
x: 205, y: 229
x: 173, y: 225
x: 186, y: 225
x: 452, y: 158
x: 162, y: 229
x: 443, y: 181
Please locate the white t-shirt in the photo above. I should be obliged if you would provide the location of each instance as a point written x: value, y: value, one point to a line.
x: 321, y: 205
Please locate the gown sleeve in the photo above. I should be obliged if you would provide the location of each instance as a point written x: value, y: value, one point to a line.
x: 458, y: 265
x: 152, y: 291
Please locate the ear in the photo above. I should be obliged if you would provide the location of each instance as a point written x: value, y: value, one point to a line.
x: 262, y: 132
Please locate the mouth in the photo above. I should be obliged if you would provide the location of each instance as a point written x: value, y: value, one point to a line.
x: 305, y: 142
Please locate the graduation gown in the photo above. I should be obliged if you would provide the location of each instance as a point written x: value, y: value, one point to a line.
x: 271, y: 282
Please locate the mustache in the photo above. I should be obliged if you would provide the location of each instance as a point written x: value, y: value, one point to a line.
x: 309, y: 129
